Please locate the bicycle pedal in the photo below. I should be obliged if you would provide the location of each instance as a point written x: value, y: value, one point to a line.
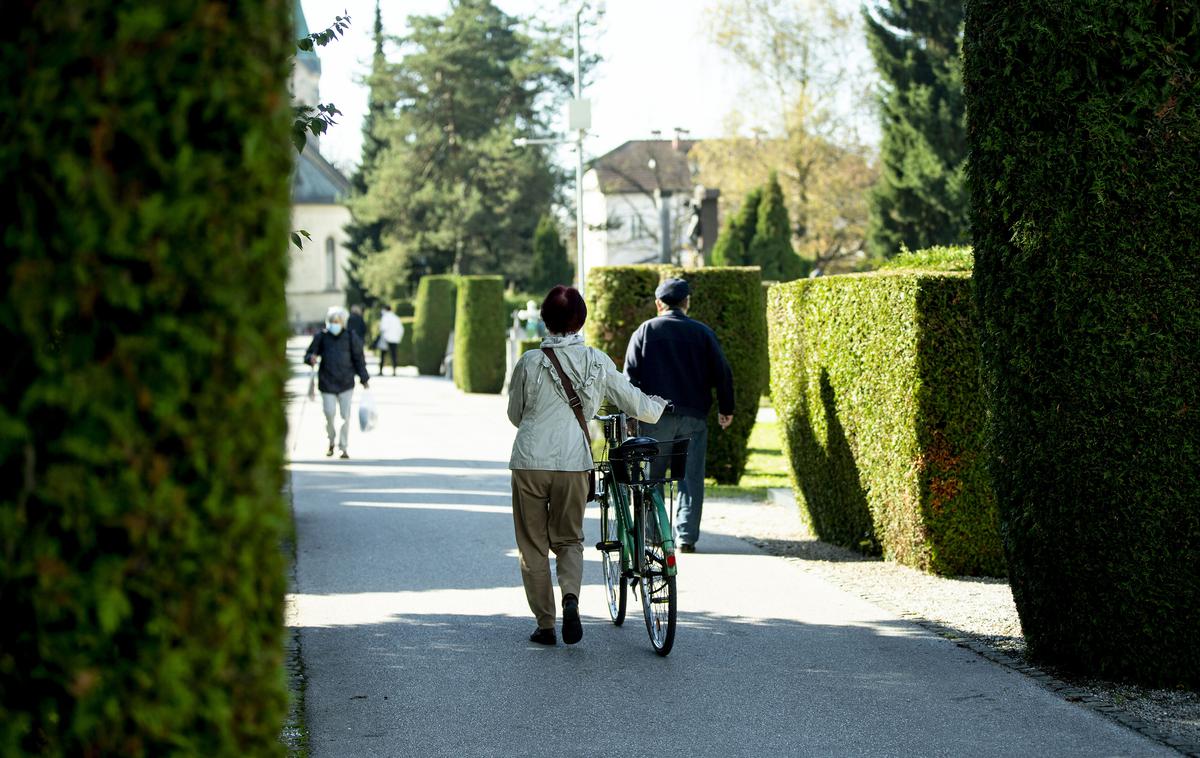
x: 612, y: 546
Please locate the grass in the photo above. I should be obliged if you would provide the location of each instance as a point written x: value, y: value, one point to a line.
x: 766, y: 468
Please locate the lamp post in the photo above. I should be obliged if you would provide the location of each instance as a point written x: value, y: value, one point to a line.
x: 579, y: 120
x: 580, y: 271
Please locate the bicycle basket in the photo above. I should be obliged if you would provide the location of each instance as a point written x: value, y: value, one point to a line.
x: 642, y: 460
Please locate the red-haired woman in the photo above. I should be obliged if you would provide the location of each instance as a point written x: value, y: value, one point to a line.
x: 551, y: 460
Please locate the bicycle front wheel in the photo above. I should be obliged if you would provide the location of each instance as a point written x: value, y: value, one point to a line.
x: 615, y: 584
x: 657, y: 586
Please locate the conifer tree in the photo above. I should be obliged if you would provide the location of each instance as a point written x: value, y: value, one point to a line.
x: 921, y: 197
x: 451, y: 191
x: 771, y: 248
x: 364, y: 237
x: 550, y: 264
x: 733, y: 244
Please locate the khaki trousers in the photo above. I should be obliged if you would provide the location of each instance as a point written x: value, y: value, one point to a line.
x: 548, y: 515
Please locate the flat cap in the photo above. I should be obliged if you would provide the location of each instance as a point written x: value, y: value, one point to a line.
x: 673, y: 291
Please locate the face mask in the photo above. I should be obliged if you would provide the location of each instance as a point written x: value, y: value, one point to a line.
x: 335, y: 329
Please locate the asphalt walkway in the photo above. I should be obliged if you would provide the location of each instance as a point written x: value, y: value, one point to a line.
x: 414, y: 625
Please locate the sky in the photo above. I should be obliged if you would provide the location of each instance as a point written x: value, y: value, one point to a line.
x: 659, y: 69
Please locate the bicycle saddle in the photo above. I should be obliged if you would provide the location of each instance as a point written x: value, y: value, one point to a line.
x: 637, y: 447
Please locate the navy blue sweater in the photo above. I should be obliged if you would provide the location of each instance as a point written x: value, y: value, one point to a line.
x: 680, y: 359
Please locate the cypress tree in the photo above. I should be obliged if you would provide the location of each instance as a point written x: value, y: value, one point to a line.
x: 733, y: 244
x: 771, y: 247
x: 365, y: 237
x: 921, y: 198
x: 550, y: 264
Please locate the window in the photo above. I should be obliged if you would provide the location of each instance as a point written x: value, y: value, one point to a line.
x: 330, y: 264
x: 638, y: 229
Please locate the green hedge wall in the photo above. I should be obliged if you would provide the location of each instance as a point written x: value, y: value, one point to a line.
x: 480, y: 339
x: 730, y: 301
x: 1087, y: 262
x: 875, y: 379
x: 433, y: 321
x: 526, y: 345
x: 147, y: 161
x: 940, y: 258
x: 406, y: 353
x: 619, y: 298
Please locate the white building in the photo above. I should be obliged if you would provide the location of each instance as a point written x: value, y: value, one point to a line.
x: 633, y: 193
x: 316, y: 277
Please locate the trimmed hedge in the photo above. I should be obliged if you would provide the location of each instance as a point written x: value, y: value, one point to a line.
x: 433, y: 321
x: 875, y: 379
x: 405, y: 352
x: 524, y: 346
x: 1087, y: 265
x: 619, y: 298
x: 147, y: 159
x: 481, y: 334
x: 730, y: 301
x: 940, y: 258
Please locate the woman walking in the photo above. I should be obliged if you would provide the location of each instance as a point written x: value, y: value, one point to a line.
x: 551, y: 458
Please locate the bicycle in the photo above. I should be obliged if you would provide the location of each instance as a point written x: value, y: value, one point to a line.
x: 637, y: 541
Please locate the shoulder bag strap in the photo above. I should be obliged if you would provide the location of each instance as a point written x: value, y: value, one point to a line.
x: 572, y: 396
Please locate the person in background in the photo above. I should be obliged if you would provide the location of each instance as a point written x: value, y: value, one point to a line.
x: 391, y: 331
x: 340, y: 352
x: 680, y: 359
x: 357, y: 324
x: 551, y: 459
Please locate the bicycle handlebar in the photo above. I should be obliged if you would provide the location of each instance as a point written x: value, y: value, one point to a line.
x: 612, y: 416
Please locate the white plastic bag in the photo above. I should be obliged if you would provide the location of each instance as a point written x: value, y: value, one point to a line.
x: 368, y: 416
x: 312, y: 383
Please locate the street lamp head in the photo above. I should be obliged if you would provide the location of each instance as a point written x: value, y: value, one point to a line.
x: 521, y: 142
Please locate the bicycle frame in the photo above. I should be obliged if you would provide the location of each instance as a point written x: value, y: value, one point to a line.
x: 627, y: 501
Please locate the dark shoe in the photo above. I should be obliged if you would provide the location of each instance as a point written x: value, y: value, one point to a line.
x: 345, y: 456
x: 572, y: 629
x: 543, y: 637
x: 329, y: 452
x: 687, y: 547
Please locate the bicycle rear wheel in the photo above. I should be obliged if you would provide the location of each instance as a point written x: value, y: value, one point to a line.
x: 615, y: 584
x: 657, y: 586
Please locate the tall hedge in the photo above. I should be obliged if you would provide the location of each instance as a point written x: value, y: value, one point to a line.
x: 876, y: 381
x: 1087, y: 261
x: 433, y: 321
x: 480, y: 347
x: 405, y: 351
x: 619, y: 298
x: 730, y: 302
x: 147, y: 161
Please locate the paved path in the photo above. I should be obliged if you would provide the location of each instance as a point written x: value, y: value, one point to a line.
x: 413, y: 629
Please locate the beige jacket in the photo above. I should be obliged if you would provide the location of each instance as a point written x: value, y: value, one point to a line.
x: 548, y: 434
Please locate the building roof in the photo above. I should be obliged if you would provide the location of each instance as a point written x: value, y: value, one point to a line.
x: 316, y: 181
x: 627, y: 168
x: 307, y: 57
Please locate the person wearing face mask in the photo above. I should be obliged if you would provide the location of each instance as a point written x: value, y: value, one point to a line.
x: 341, y: 355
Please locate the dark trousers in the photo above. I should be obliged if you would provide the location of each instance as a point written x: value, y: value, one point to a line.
x: 392, y: 349
x: 691, y: 489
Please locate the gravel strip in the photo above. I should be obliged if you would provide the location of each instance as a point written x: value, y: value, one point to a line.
x: 976, y: 613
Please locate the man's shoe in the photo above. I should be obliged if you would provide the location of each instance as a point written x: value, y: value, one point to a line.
x: 543, y: 637
x: 572, y: 628
x: 687, y: 547
x: 345, y: 456
x: 329, y: 452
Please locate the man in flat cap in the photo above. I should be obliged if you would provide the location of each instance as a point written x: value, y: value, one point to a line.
x: 680, y: 359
